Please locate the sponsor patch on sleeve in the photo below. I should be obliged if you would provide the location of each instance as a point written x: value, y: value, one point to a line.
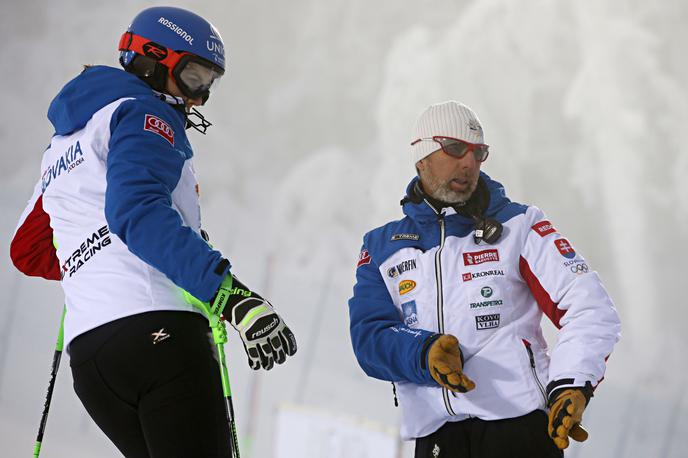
x: 406, y: 286
x: 405, y: 237
x: 408, y: 309
x: 156, y: 125
x: 544, y: 228
x: 565, y: 248
x: 363, y: 258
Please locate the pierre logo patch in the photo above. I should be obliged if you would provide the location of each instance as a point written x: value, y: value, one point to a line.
x: 160, y: 127
x: 363, y: 258
x: 479, y: 257
x: 544, y: 228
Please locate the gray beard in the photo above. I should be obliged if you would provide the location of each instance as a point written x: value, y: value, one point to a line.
x: 444, y: 193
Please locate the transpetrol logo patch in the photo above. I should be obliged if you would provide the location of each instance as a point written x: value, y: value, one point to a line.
x: 565, y: 248
x: 487, y: 321
x: 406, y: 286
x: 482, y: 304
x: 160, y: 127
x: 544, y: 228
x: 479, y: 257
x: 363, y: 258
x: 408, y: 310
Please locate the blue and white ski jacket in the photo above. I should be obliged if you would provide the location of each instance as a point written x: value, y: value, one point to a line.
x: 118, y: 196
x: 424, y: 274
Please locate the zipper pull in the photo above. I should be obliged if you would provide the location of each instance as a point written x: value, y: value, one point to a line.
x: 394, y: 391
x: 530, y: 353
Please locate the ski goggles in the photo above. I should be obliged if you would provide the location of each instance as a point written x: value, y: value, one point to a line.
x: 458, y: 148
x: 194, y: 75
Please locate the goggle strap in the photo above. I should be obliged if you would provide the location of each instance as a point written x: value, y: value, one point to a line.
x: 125, y: 41
x: 136, y: 43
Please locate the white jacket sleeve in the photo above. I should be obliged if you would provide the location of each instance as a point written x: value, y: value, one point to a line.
x: 572, y: 296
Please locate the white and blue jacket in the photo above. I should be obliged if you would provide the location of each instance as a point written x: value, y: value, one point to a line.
x: 119, y: 198
x: 425, y: 274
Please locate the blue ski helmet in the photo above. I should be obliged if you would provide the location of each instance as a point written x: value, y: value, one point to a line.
x: 188, y: 46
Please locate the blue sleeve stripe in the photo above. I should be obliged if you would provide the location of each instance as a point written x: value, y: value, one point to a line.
x: 384, y: 347
x: 142, y: 171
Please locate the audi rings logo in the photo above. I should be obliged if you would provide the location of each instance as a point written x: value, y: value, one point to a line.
x: 580, y: 269
x: 158, y: 126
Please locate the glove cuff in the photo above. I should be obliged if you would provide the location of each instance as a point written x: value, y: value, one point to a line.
x: 555, y: 389
x: 221, y: 297
x: 425, y: 349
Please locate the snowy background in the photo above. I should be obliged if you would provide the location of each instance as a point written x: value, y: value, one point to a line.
x: 584, y: 104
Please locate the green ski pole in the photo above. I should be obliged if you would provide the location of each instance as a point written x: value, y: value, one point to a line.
x: 53, y: 375
x: 220, y: 337
x: 217, y: 326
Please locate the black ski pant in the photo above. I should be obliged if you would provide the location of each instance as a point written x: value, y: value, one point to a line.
x: 520, y: 437
x: 152, y: 384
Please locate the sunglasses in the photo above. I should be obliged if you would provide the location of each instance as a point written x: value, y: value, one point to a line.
x: 458, y: 148
x: 194, y: 75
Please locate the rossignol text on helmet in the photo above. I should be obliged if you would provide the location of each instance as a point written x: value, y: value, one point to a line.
x: 168, y: 41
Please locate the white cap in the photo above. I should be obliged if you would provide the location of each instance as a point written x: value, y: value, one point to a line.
x: 447, y: 119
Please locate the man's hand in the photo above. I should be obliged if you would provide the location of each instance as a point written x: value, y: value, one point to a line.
x: 565, y: 415
x: 266, y: 337
x: 446, y: 365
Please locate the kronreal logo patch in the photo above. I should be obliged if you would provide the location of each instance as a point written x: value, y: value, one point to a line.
x: 406, y: 286
x: 160, y: 127
x: 405, y: 237
x: 544, y: 228
x: 468, y: 276
x: 363, y: 258
x: 479, y: 257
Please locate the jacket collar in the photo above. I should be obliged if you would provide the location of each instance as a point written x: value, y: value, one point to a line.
x: 424, y: 211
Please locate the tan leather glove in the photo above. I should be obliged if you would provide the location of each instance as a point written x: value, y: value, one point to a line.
x: 565, y: 415
x: 446, y: 366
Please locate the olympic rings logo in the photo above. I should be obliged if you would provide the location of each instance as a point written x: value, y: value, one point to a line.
x: 580, y: 269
